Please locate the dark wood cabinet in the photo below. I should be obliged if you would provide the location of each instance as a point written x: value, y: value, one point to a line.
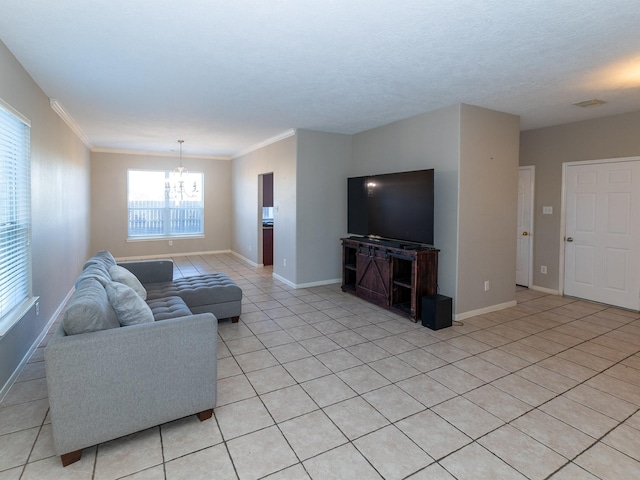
x: 267, y: 246
x: 267, y: 190
x: 372, y: 275
x: 393, y: 275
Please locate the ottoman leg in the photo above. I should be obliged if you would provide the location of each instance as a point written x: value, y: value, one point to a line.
x: 235, y: 319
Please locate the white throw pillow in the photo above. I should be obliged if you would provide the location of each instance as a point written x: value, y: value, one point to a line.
x: 129, y: 307
x: 122, y: 275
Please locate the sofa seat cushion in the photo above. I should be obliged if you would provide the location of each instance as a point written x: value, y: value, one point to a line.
x: 168, y: 307
x: 199, y: 290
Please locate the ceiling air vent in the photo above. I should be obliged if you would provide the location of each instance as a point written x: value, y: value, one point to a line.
x: 590, y: 103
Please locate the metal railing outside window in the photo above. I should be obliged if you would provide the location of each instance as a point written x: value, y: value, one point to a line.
x: 160, y: 207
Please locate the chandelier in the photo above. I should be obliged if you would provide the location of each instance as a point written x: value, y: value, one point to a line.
x: 175, y: 188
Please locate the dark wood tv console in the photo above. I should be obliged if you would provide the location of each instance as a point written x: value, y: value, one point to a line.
x: 391, y: 274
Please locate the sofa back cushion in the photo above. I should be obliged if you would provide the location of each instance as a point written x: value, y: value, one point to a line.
x: 129, y: 307
x: 96, y: 272
x: 89, y: 309
x: 98, y: 267
x: 102, y: 258
x: 122, y: 275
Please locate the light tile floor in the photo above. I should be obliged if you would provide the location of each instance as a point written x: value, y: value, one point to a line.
x: 315, y: 383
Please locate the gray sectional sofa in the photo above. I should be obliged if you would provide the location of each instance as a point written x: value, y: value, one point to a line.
x: 131, y: 354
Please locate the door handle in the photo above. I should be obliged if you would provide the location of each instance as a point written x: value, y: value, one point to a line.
x: 569, y: 239
x: 524, y: 234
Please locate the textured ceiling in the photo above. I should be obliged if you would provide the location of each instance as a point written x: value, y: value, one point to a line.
x: 226, y: 75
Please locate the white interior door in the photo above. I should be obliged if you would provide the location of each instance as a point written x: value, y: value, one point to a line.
x: 602, y: 232
x: 524, y: 226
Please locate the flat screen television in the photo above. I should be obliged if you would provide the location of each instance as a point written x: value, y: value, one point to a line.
x: 394, y: 206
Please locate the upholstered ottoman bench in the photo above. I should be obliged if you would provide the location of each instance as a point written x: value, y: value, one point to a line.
x: 215, y: 293
x: 211, y: 293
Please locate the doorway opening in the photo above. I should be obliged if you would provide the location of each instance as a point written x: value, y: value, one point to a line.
x: 266, y: 210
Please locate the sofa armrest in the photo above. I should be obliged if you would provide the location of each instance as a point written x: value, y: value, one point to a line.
x: 107, y: 384
x: 150, y: 271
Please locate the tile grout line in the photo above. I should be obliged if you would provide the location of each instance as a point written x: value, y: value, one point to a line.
x: 533, y: 363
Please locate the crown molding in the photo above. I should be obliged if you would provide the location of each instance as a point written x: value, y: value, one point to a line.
x: 15, y: 113
x: 68, y: 119
x: 264, y: 143
x: 156, y: 154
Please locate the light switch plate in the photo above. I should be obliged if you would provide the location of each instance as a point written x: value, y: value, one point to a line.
x: 547, y: 210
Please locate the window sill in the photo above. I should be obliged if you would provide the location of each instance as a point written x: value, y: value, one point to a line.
x: 162, y: 239
x: 10, y: 320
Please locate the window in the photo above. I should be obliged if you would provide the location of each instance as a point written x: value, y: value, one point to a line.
x: 165, y: 204
x: 15, y: 216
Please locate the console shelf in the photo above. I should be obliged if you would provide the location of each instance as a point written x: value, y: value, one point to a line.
x: 393, y: 275
x: 403, y: 282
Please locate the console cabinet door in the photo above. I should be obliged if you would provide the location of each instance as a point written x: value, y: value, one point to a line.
x: 373, y: 275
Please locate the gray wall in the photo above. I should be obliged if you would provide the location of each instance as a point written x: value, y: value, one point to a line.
x: 323, y: 167
x: 431, y: 140
x: 488, y: 208
x: 309, y: 178
x: 474, y: 152
x: 109, y: 205
x: 60, y: 207
x: 279, y: 158
x: 615, y: 136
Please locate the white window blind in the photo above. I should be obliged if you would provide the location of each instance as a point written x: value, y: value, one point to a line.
x: 15, y: 215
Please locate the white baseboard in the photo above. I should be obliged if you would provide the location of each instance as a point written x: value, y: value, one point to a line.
x: 284, y: 280
x: 168, y: 255
x: 320, y: 283
x: 331, y: 281
x: 287, y: 282
x: 544, y: 290
x: 481, y: 311
x: 245, y: 259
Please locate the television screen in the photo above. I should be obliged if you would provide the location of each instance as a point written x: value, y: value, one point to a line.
x: 397, y: 206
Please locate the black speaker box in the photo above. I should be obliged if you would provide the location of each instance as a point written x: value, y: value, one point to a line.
x: 436, y: 312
